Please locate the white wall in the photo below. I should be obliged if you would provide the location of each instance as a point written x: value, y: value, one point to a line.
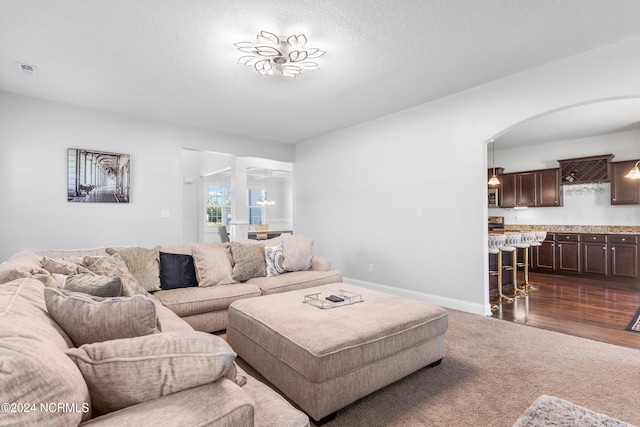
x: 34, y: 213
x: 580, y: 207
x: 357, y: 191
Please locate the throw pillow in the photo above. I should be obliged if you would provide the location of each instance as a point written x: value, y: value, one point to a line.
x: 143, y: 263
x: 114, y: 266
x: 248, y: 261
x: 88, y: 319
x: 297, y: 252
x: 274, y: 258
x: 93, y: 284
x: 177, y: 271
x: 213, y: 264
x: 59, y: 265
x: 122, y: 373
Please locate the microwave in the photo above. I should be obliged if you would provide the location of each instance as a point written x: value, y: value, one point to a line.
x: 493, y: 197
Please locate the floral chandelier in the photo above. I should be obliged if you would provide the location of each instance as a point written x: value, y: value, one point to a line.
x: 273, y: 54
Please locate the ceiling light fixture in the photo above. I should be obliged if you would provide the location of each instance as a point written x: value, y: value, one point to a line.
x: 634, y: 173
x: 265, y: 201
x: 494, y: 179
x: 279, y: 55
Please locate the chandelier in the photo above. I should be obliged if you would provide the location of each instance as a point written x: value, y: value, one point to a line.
x: 265, y: 201
x: 273, y: 54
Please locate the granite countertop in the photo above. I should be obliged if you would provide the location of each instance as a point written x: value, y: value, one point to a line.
x: 591, y: 229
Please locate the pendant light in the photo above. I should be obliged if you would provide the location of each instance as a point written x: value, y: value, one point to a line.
x: 265, y: 201
x: 494, y: 179
x: 634, y: 173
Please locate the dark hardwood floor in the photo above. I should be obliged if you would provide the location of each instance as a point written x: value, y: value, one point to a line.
x: 587, y: 308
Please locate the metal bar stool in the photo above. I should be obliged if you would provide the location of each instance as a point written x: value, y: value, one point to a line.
x: 536, y: 239
x: 495, y: 242
x: 511, y: 246
x: 526, y: 238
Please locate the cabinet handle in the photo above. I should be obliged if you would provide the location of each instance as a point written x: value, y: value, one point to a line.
x: 594, y: 238
x: 604, y: 247
x: 623, y: 239
x: 613, y: 249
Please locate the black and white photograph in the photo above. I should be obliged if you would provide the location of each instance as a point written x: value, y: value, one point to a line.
x: 97, y: 177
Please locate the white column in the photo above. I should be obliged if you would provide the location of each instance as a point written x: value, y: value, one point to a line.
x: 239, y: 209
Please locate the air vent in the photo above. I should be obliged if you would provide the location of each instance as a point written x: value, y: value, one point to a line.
x: 27, y: 69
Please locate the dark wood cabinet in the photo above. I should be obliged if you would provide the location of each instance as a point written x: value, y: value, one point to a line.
x: 545, y: 254
x: 530, y: 189
x: 624, y: 191
x: 549, y: 193
x: 569, y: 253
x: 508, y: 189
x: 613, y: 257
x: 624, y: 256
x: 595, y: 256
x: 526, y: 194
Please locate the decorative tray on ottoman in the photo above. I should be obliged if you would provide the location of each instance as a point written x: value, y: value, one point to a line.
x: 337, y: 299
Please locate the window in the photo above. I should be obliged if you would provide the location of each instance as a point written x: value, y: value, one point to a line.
x: 218, y: 205
x: 256, y: 212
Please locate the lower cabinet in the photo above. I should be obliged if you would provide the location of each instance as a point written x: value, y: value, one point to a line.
x: 595, y: 254
x: 624, y: 256
x: 569, y: 253
x: 613, y: 257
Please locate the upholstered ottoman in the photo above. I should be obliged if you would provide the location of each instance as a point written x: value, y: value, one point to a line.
x: 325, y: 359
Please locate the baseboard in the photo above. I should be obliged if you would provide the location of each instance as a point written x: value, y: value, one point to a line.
x: 455, y: 304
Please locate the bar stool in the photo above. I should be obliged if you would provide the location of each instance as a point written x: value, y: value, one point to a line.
x: 495, y: 242
x: 525, y: 244
x: 537, y: 237
x: 512, y: 240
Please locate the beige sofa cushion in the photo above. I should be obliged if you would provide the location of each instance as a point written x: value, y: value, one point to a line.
x: 121, y: 373
x: 87, y: 319
x: 213, y: 264
x: 60, y: 265
x: 114, y: 266
x: 248, y: 261
x: 143, y: 263
x: 189, y: 301
x: 93, y: 284
x: 297, y: 252
x: 33, y: 366
x: 295, y: 280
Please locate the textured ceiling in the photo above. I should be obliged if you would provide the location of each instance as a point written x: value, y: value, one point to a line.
x: 175, y: 60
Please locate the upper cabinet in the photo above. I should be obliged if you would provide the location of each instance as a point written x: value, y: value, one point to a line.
x: 531, y: 189
x: 624, y: 191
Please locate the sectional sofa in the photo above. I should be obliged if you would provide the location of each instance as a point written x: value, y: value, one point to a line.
x: 119, y: 336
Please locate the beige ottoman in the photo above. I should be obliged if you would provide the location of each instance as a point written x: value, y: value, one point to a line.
x: 325, y: 359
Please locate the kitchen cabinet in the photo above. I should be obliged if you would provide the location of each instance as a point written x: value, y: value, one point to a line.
x: 569, y: 253
x: 531, y: 189
x: 544, y: 256
x: 549, y: 194
x: 614, y: 257
x: 624, y: 256
x: 508, y: 186
x: 624, y: 191
x: 595, y: 256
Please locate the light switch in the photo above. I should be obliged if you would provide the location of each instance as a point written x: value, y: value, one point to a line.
x: 420, y: 212
x: 165, y: 213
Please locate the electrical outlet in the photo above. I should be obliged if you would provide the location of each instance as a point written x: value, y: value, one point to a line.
x: 165, y: 213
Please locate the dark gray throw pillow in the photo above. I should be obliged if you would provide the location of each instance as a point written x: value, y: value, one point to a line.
x: 177, y: 271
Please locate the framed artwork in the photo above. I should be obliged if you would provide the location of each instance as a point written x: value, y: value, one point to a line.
x: 97, y: 176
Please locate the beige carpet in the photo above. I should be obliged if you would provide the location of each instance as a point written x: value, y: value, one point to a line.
x: 494, y: 370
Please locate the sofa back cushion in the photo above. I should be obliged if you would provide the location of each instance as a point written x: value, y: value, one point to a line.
x: 33, y: 366
x: 297, y: 252
x: 87, y: 319
x: 248, y: 261
x: 121, y: 373
x: 213, y: 264
x: 143, y: 263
